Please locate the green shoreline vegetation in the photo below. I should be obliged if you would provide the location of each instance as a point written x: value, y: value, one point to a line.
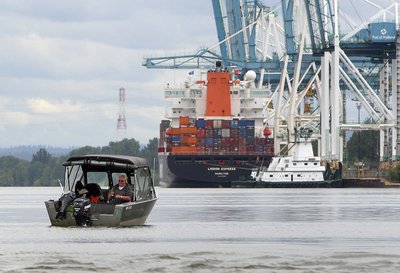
x: 46, y: 170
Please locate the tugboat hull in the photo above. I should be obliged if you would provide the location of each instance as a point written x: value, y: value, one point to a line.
x: 304, y: 184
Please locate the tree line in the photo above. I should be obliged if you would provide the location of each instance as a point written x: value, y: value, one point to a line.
x: 46, y: 170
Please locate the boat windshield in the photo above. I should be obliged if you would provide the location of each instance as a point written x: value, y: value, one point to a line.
x: 143, y: 184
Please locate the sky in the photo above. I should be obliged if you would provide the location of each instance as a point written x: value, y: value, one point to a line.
x: 62, y: 63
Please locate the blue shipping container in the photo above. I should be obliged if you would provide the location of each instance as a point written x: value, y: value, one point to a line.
x: 250, y: 140
x: 234, y: 123
x: 176, y: 138
x: 209, y: 142
x: 242, y: 132
x: 250, y: 132
x: 242, y: 123
x: 200, y: 123
x: 250, y: 123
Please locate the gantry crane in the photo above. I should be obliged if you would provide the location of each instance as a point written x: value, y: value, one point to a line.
x: 306, y: 53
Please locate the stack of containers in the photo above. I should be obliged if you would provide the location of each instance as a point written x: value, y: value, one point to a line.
x: 217, y: 135
x: 209, y: 143
x: 250, y: 136
x: 242, y: 136
x: 225, y: 136
x: 201, y: 136
x: 234, y: 136
x: 187, y: 136
x: 214, y: 136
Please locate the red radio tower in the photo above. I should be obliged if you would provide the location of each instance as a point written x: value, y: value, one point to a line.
x: 121, y: 122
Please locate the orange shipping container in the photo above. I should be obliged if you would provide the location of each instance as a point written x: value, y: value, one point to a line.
x: 175, y: 149
x: 184, y: 120
x: 188, y: 130
x: 188, y: 149
x: 188, y: 140
x: 184, y: 149
x: 175, y: 131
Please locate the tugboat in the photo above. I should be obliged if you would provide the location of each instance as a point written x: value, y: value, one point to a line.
x: 95, y: 175
x: 301, y: 170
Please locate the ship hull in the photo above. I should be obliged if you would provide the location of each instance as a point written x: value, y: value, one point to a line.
x: 202, y: 171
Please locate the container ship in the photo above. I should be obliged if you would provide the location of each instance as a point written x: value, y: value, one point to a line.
x: 214, y: 133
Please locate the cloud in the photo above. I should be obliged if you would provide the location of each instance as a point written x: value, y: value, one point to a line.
x: 63, y: 62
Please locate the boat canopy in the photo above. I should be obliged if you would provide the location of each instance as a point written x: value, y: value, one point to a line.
x: 129, y: 162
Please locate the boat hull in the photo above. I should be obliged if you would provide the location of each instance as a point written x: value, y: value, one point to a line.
x: 191, y: 171
x: 104, y: 214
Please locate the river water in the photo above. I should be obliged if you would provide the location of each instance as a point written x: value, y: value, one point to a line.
x: 213, y: 230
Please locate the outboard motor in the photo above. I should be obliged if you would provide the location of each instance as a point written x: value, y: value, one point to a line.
x: 82, y: 211
x: 62, y: 204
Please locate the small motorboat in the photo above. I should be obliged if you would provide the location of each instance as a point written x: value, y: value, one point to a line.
x: 88, y: 180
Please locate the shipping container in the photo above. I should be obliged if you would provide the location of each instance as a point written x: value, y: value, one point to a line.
x: 225, y: 141
x: 250, y: 123
x: 234, y: 132
x: 260, y: 141
x: 259, y: 148
x: 200, y: 123
x: 250, y: 140
x: 233, y: 142
x: 201, y: 132
x: 188, y: 139
x: 250, y: 148
x: 234, y: 123
x: 175, y: 131
x: 242, y: 131
x: 242, y: 142
x: 269, y: 150
x: 201, y: 142
x: 217, y: 123
x: 217, y: 142
x: 188, y: 130
x: 209, y: 124
x: 175, y: 139
x: 226, y: 124
x: 217, y: 132
x: 242, y: 123
x: 225, y: 132
x: 209, y: 142
x: 183, y: 120
x: 249, y: 132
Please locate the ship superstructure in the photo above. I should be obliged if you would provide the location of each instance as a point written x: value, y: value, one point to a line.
x: 214, y: 133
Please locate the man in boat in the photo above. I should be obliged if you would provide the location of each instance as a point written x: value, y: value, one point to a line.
x: 120, y: 193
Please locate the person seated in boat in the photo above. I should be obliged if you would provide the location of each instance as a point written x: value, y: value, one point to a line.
x: 120, y: 193
x: 80, y: 190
